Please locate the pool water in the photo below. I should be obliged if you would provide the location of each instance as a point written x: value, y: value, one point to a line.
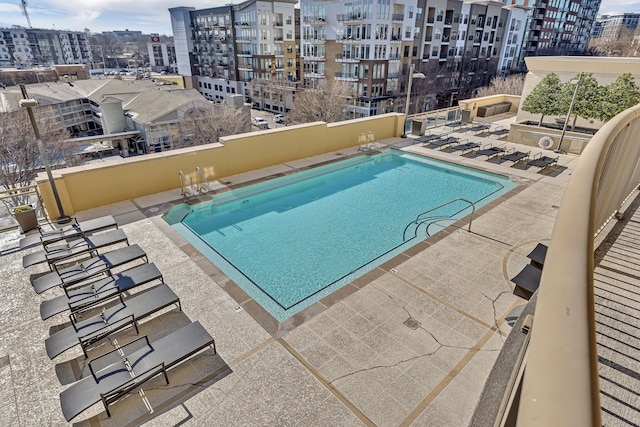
x: 291, y: 241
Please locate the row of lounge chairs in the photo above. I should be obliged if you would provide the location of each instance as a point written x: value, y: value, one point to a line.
x: 94, y: 297
x: 464, y: 146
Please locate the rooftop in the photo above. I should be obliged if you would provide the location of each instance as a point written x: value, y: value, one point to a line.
x: 410, y: 343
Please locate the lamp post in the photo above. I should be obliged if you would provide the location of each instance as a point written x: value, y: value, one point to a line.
x: 29, y: 104
x: 566, y: 120
x: 412, y: 75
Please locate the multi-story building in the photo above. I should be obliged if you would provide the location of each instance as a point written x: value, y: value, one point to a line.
x: 609, y: 27
x: 220, y: 50
x: 458, y: 46
x: 558, y: 27
x: 32, y: 46
x: 162, y: 56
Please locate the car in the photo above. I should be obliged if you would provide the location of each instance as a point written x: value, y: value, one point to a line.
x: 280, y: 118
x: 260, y: 122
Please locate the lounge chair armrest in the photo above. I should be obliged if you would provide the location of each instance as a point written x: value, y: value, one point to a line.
x: 509, y: 151
x: 73, y: 316
x: 44, y: 233
x: 90, y: 301
x: 122, y: 353
x: 108, y: 328
x: 537, y: 156
x: 124, y: 389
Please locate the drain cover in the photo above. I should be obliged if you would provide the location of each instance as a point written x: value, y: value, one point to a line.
x: 4, y: 361
x: 412, y: 323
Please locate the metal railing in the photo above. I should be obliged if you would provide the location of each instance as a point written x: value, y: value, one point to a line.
x: 186, y: 188
x: 202, y: 186
x: 20, y: 196
x: 560, y: 385
x: 422, y: 220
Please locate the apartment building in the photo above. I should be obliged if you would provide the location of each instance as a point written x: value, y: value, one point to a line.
x: 221, y: 50
x: 32, y: 46
x: 458, y: 45
x: 608, y: 27
x: 557, y: 27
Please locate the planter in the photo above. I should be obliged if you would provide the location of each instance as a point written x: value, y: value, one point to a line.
x: 27, y: 219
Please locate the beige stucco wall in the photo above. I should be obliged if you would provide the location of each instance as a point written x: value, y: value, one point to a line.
x: 572, y: 142
x: 94, y: 185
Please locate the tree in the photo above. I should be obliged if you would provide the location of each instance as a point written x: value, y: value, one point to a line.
x: 545, y: 98
x: 620, y: 42
x: 201, y: 126
x: 510, y: 85
x: 326, y: 104
x: 588, y: 100
x: 621, y: 94
x: 20, y: 158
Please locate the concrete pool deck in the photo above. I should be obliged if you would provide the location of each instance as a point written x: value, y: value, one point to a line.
x: 410, y: 343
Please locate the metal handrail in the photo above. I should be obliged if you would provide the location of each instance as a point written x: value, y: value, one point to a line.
x: 560, y: 385
x: 199, y: 173
x: 185, y: 181
x: 418, y: 220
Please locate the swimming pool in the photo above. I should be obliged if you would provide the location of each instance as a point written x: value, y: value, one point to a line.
x: 290, y: 241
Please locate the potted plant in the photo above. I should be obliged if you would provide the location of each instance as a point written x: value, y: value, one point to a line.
x: 26, y: 217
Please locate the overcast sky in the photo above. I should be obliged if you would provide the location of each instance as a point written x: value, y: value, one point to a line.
x: 148, y: 16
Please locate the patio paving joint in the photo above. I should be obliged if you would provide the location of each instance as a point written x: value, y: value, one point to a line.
x: 327, y: 384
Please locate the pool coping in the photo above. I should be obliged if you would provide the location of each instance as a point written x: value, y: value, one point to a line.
x: 245, y: 302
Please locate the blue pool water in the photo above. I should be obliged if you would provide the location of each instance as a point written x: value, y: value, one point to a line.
x: 291, y: 241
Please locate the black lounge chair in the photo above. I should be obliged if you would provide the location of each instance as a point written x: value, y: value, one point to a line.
x: 500, y: 131
x: 479, y: 127
x: 441, y: 143
x: 489, y: 151
x: 88, y: 269
x: 537, y: 255
x: 527, y: 281
x: 110, y: 320
x: 542, y: 162
x: 141, y: 362
x: 464, y: 147
x: 514, y: 156
x: 424, y: 139
x: 95, y: 293
x: 73, y: 231
x: 74, y: 248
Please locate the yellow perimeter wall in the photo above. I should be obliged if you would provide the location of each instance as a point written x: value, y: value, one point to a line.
x: 94, y: 185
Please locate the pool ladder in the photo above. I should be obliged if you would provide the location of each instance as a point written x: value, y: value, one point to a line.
x: 188, y: 189
x: 368, y: 141
x: 434, y: 219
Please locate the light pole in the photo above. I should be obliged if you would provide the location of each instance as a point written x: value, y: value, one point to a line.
x: 566, y: 120
x: 29, y: 104
x: 412, y: 76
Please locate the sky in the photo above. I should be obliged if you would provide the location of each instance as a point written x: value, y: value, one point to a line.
x: 148, y: 16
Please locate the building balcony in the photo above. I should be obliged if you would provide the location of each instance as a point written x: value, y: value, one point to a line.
x: 346, y: 76
x: 351, y: 17
x: 397, y: 17
x: 315, y: 20
x: 349, y: 39
x: 346, y: 58
x: 394, y: 58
